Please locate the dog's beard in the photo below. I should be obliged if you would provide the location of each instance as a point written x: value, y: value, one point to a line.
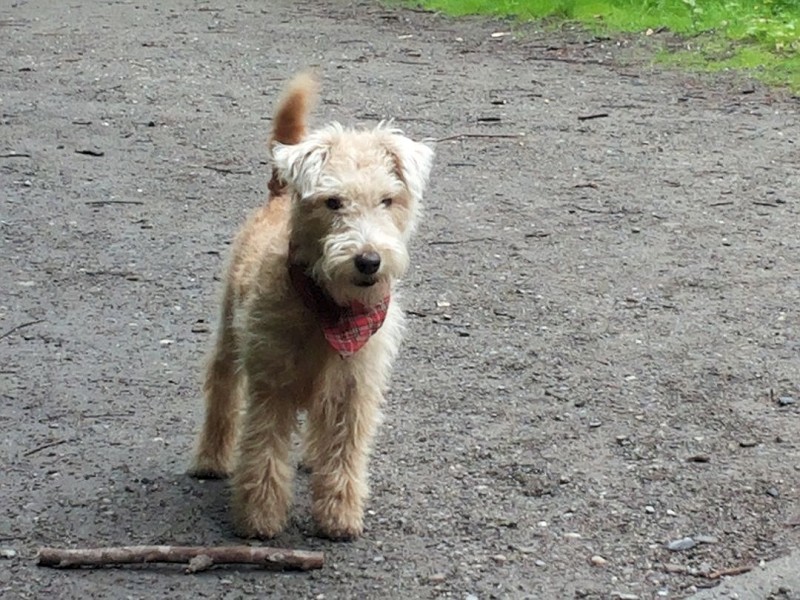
x: 335, y: 271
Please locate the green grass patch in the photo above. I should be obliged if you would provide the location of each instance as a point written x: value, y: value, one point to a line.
x: 758, y: 36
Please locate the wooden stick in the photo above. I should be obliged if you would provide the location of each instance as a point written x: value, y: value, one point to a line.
x: 458, y: 136
x: 198, y: 558
x: 729, y: 571
x: 18, y: 327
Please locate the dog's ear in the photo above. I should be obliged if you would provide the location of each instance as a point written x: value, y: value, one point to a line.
x: 413, y: 161
x: 300, y: 165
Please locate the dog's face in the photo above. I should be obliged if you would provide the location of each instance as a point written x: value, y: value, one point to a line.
x: 357, y: 195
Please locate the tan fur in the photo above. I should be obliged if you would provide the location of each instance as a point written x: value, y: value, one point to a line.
x: 270, y: 359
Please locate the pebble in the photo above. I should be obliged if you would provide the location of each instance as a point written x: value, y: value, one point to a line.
x: 499, y: 558
x: 378, y: 559
x: 649, y: 509
x: 437, y: 578
x: 539, y: 562
x: 786, y: 401
x: 470, y: 597
x: 624, y: 596
x: 773, y: 492
x: 7, y: 553
x: 681, y: 544
x: 598, y: 561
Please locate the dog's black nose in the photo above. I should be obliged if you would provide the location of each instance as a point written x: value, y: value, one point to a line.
x: 368, y: 263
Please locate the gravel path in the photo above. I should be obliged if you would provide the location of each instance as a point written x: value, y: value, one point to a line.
x: 602, y: 357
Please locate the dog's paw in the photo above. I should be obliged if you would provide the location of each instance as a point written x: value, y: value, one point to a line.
x: 338, y: 521
x: 205, y: 468
x: 259, y: 525
x: 341, y: 534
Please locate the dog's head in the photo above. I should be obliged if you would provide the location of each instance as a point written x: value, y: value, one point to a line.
x: 356, y: 197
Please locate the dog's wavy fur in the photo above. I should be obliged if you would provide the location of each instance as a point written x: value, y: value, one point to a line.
x: 270, y: 359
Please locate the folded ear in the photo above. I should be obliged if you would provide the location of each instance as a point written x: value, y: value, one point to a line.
x: 300, y: 165
x: 413, y: 161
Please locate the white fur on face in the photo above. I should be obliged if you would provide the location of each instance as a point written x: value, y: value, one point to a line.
x: 379, y: 177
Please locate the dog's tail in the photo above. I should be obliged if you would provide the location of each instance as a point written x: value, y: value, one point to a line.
x: 299, y: 98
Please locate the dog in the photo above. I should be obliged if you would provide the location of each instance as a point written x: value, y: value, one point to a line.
x: 310, y: 319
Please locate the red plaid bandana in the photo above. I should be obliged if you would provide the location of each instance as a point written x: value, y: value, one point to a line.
x: 346, y: 328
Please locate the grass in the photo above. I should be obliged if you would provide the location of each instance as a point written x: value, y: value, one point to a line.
x: 761, y: 37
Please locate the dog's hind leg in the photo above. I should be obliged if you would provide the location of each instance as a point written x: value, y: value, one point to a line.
x: 215, y: 446
x: 263, y: 477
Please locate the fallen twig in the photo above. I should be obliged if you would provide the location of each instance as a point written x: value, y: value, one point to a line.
x: 20, y: 326
x: 90, y: 152
x: 594, y: 116
x: 198, y: 558
x: 589, y: 210
x: 458, y: 136
x: 228, y: 170
x: 46, y: 446
x: 108, y: 202
x: 729, y: 571
x: 454, y: 242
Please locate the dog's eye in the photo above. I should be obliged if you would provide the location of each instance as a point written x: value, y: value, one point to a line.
x: 333, y: 203
x: 387, y: 202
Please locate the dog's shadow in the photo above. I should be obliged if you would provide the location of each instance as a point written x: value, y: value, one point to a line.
x: 177, y: 509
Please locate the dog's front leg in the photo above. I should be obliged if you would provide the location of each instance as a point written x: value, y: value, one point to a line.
x: 340, y: 428
x: 262, y: 479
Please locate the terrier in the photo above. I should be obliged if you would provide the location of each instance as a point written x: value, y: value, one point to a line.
x: 310, y: 319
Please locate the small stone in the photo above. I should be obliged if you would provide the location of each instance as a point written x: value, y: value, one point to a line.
x: 437, y: 578
x: 773, y: 492
x: 470, y: 597
x: 681, y: 544
x: 499, y: 558
x: 378, y: 559
x: 786, y: 401
x: 7, y: 553
x: 748, y: 443
x: 624, y: 596
x: 595, y: 424
x: 649, y: 509
x: 572, y: 535
x: 598, y: 561
x: 539, y: 562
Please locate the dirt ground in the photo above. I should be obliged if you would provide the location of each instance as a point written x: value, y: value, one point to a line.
x: 602, y: 355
